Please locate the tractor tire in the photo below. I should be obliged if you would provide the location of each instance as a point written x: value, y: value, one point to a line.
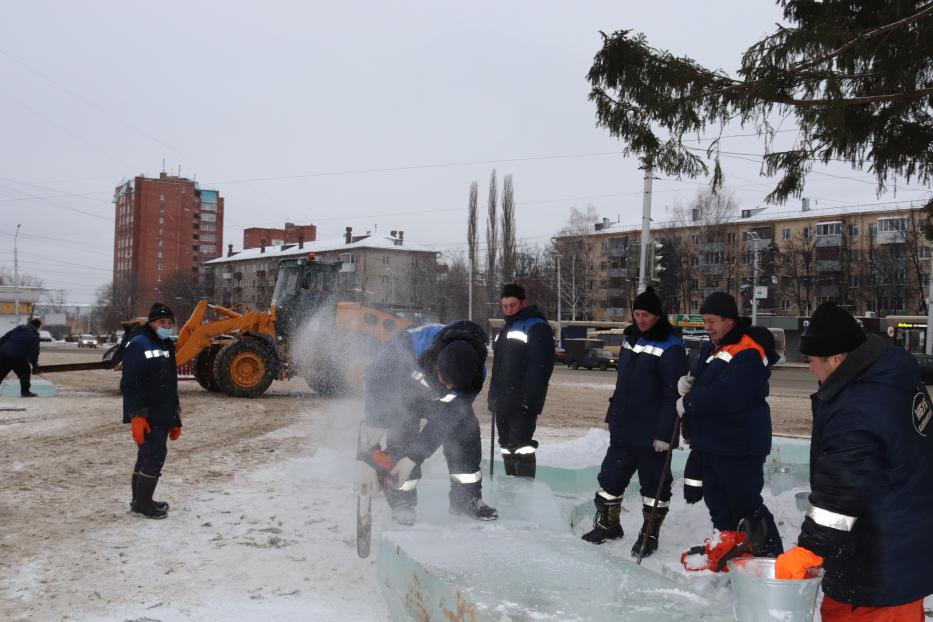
x: 204, y: 368
x: 244, y: 368
x: 574, y: 365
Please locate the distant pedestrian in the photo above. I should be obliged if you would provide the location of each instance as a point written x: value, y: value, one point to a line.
x: 19, y: 350
x: 641, y: 417
x: 150, y: 404
x: 521, y: 369
x: 728, y: 421
x: 871, y: 468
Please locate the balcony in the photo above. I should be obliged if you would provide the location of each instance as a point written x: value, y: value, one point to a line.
x: 829, y: 240
x: 348, y: 267
x: 616, y: 251
x: 828, y: 265
x: 617, y: 272
x: 712, y: 247
x: 710, y: 268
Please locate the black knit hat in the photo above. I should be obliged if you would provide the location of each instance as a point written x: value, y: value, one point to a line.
x: 159, y: 311
x: 513, y: 290
x: 831, y: 331
x: 458, y: 363
x: 648, y: 301
x: 721, y: 304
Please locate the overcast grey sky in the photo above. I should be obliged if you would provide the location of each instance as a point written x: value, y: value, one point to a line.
x: 338, y: 113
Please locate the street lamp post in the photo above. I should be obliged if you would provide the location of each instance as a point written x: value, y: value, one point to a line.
x: 16, y: 272
x: 559, y: 334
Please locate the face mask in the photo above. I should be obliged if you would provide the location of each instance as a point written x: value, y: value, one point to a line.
x: 163, y: 333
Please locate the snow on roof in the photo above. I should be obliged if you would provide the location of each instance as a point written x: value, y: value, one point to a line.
x: 762, y: 215
x: 322, y: 246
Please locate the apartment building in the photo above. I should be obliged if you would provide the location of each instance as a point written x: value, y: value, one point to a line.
x: 874, y: 260
x: 254, y: 237
x: 162, y: 226
x: 378, y: 270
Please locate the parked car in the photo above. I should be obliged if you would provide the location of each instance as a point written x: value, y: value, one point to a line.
x: 45, y: 335
x: 595, y: 358
x: 926, y: 366
x: 87, y: 341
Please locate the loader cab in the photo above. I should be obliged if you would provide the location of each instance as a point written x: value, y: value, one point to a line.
x: 304, y: 286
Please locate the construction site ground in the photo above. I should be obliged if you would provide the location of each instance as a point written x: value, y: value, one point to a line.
x: 65, y: 464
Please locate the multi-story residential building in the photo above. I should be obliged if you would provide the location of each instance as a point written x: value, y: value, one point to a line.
x: 164, y: 228
x: 379, y: 270
x: 254, y: 237
x: 872, y: 259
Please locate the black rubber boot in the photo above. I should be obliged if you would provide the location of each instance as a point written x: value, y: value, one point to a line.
x: 606, y: 525
x: 650, y: 530
x: 467, y: 500
x: 28, y: 394
x: 525, y: 464
x: 508, y: 460
x: 159, y: 504
x: 142, y: 502
x: 402, y: 503
x: 763, y: 536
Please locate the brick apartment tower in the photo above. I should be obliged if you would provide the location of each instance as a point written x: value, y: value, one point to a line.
x: 254, y: 237
x: 162, y: 226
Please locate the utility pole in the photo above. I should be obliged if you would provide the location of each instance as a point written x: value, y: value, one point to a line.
x: 645, y: 231
x: 929, y: 342
x: 16, y: 272
x: 559, y: 332
x: 755, y: 288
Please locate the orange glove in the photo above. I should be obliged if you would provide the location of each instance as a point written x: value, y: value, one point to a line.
x: 175, y: 432
x: 141, y: 428
x: 794, y: 563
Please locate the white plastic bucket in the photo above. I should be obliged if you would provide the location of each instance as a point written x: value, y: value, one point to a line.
x: 782, y: 479
x: 759, y: 597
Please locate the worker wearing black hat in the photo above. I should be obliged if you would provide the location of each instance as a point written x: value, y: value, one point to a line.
x: 150, y: 404
x: 521, y: 369
x: 419, y: 393
x: 728, y: 423
x: 641, y: 420
x: 19, y: 351
x: 871, y: 468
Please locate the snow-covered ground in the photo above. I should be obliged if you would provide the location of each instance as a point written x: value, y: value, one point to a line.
x: 276, y: 541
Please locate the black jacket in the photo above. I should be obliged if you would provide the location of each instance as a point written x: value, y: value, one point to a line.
x: 524, y: 360
x: 871, y: 476
x: 642, y: 407
x: 401, y: 386
x: 150, y: 380
x: 21, y: 342
x: 726, y: 411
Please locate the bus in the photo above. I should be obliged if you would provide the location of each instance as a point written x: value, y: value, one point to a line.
x: 611, y: 337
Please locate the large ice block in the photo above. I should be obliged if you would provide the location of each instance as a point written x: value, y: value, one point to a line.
x: 525, y: 566
x: 40, y: 386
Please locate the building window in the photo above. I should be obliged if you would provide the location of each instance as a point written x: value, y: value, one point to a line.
x: 853, y: 255
x: 828, y: 228
x: 207, y: 249
x: 806, y: 233
x: 872, y: 230
x: 208, y: 227
x: 208, y: 237
x: 346, y: 258
x: 924, y: 252
x: 853, y: 280
x: 853, y: 231
x: 892, y: 224
x: 159, y: 254
x: 785, y: 234
x: 162, y: 198
x: 208, y: 218
x: 160, y: 243
x: 161, y: 208
x: 785, y: 304
x: 696, y: 239
x: 731, y: 237
x: 385, y: 260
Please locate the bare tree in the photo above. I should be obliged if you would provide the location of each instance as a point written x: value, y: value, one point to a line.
x: 492, y: 238
x: 576, y: 260
x: 508, y: 230
x: 472, y: 243
x: 798, y: 261
x: 182, y: 291
x: 25, y: 279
